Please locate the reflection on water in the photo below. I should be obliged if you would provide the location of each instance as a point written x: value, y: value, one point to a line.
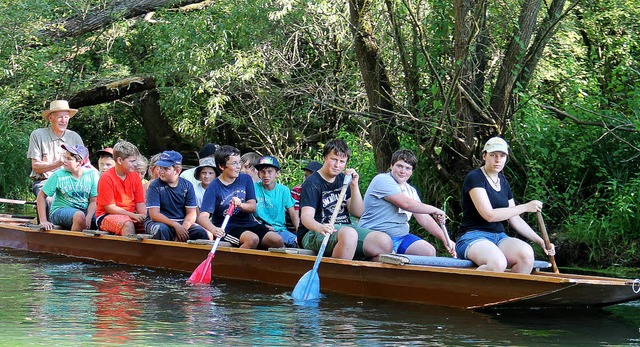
x: 52, y: 300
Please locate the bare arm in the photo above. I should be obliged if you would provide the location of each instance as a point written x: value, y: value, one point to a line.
x: 114, y: 209
x: 406, y: 203
x: 91, y: 211
x: 355, y: 204
x: 190, y: 217
x: 204, y: 220
x: 39, y: 166
x: 41, y: 204
x: 306, y: 217
x: 483, y: 205
x: 293, y: 214
x: 524, y: 229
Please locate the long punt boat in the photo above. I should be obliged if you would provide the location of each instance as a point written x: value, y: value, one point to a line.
x: 444, y: 286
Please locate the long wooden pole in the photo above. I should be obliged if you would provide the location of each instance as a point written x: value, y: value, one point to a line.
x: 16, y: 202
x: 547, y: 243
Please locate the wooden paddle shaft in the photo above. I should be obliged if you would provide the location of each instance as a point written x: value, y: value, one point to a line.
x: 16, y: 202
x: 547, y: 243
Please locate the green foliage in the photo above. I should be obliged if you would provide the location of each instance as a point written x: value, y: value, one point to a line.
x: 14, y: 181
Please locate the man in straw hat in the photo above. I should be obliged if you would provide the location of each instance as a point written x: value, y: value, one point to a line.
x: 45, y: 144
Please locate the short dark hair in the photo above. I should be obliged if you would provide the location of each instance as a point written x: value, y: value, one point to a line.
x: 337, y: 145
x: 406, y: 155
x: 222, y: 155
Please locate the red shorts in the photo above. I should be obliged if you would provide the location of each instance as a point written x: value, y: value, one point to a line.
x: 114, y: 223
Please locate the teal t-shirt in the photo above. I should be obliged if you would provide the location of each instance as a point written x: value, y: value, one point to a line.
x: 271, y: 205
x: 70, y: 192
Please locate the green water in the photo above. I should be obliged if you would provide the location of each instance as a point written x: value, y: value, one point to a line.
x: 51, y: 300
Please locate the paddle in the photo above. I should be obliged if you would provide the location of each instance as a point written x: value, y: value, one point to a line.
x: 202, y: 274
x: 547, y: 243
x: 448, y: 240
x: 16, y: 202
x: 308, y: 287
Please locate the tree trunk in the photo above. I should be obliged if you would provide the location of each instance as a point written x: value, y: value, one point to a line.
x: 376, y: 84
x: 502, y: 102
x: 159, y: 134
x: 99, y: 18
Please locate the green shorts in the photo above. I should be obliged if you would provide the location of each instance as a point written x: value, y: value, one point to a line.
x: 313, y: 240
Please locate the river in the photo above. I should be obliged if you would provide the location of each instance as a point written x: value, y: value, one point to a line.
x: 54, y: 300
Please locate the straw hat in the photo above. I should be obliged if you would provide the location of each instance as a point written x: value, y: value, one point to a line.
x: 59, y: 105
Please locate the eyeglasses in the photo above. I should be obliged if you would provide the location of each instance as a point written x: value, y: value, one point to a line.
x: 235, y: 163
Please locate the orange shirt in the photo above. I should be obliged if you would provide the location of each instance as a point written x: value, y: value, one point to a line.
x: 113, y: 190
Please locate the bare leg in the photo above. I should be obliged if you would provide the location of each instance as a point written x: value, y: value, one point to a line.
x: 487, y: 256
x: 272, y: 239
x: 128, y: 229
x: 79, y: 221
x: 421, y: 247
x: 376, y: 243
x: 249, y: 239
x: 347, y: 243
x: 519, y: 255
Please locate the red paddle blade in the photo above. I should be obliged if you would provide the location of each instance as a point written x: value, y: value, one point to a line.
x: 202, y: 274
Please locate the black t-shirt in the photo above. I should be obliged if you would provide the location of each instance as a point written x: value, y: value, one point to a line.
x: 323, y: 196
x: 471, y: 218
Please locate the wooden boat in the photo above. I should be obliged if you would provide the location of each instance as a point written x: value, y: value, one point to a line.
x: 454, y: 287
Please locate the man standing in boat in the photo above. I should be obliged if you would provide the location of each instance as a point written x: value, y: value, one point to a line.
x: 45, y: 144
x: 318, y: 200
x: 389, y: 203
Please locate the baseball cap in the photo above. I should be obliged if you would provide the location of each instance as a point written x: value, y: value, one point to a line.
x: 496, y: 144
x: 208, y: 150
x: 80, y: 150
x: 104, y: 152
x: 169, y: 158
x: 267, y: 160
x: 312, y: 166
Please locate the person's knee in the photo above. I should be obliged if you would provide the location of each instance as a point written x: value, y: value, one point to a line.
x: 249, y: 239
x: 199, y: 234
x: 378, y: 242
x: 497, y: 263
x: 128, y: 229
x: 347, y: 235
x: 79, y: 219
x: 273, y: 239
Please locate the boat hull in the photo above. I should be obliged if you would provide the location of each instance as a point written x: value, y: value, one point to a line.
x: 452, y: 287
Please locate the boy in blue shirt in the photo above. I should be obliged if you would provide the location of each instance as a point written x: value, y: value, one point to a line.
x: 233, y: 187
x: 171, y: 203
x: 273, y: 199
x: 74, y: 190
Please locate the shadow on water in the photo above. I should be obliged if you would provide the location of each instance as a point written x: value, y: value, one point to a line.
x: 54, y: 300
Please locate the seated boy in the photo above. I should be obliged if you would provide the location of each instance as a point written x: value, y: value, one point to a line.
x: 249, y: 161
x: 273, y: 199
x: 233, y: 187
x: 74, y: 189
x: 318, y: 199
x: 121, y: 209
x: 105, y: 159
x: 171, y: 203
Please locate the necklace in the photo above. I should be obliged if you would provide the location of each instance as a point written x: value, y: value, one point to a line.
x: 496, y: 182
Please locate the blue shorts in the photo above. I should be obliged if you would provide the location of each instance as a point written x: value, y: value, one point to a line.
x: 64, y: 216
x: 473, y: 236
x: 401, y: 243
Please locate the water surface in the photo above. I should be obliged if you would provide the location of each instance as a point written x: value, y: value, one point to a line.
x: 54, y: 300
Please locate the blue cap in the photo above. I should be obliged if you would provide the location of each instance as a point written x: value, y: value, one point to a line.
x: 80, y: 150
x: 267, y: 160
x: 169, y: 158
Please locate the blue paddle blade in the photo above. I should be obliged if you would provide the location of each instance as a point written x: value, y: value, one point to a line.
x: 308, y: 287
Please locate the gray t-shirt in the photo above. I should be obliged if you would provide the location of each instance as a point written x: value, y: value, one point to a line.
x: 381, y: 215
x: 45, y: 145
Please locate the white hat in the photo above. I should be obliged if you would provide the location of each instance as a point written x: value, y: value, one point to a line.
x: 59, y: 105
x: 496, y: 144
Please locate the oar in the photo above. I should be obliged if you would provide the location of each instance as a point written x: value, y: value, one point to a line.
x: 308, y: 287
x: 16, y: 202
x: 448, y: 240
x: 547, y: 243
x: 202, y: 274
